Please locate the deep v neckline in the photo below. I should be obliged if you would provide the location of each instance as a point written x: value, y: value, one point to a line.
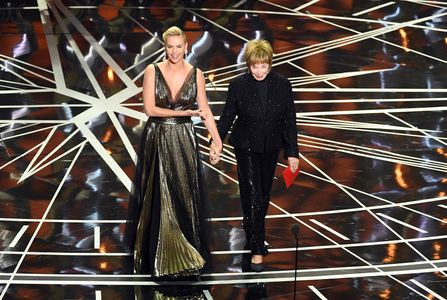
x: 187, y: 78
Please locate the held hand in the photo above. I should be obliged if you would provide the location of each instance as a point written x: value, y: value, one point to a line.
x: 215, y: 153
x: 293, y: 163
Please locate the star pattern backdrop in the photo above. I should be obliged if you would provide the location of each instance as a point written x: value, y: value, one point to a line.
x: 369, y: 87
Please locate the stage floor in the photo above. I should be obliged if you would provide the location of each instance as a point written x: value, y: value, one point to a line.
x: 369, y: 82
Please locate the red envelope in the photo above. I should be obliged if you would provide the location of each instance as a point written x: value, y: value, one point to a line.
x: 289, y: 177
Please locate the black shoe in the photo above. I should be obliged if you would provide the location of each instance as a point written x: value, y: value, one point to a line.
x: 257, y: 267
x: 245, y: 262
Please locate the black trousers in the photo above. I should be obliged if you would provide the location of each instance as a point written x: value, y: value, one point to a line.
x: 255, y: 172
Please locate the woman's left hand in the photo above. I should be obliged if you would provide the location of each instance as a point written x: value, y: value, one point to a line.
x: 294, y: 163
x: 215, y: 153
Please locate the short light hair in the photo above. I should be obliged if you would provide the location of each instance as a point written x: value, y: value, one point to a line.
x: 173, y: 31
x: 258, y: 52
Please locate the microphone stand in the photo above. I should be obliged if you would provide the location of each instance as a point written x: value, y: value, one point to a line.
x: 295, y: 230
x: 296, y: 268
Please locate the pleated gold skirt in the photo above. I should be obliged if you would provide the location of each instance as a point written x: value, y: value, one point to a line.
x: 168, y: 237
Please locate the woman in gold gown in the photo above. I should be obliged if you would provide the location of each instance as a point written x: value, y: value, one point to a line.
x: 168, y: 237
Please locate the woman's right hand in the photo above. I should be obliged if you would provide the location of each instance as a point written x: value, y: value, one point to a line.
x: 192, y: 112
x: 196, y: 113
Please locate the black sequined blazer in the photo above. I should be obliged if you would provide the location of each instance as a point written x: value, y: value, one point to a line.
x: 253, y: 129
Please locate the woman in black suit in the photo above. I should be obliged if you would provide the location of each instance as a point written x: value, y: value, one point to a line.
x: 266, y: 123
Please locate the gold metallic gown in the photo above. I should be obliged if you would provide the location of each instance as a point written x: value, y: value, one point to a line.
x: 168, y: 240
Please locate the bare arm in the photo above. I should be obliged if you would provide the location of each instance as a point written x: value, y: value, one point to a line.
x: 206, y: 112
x: 150, y: 108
